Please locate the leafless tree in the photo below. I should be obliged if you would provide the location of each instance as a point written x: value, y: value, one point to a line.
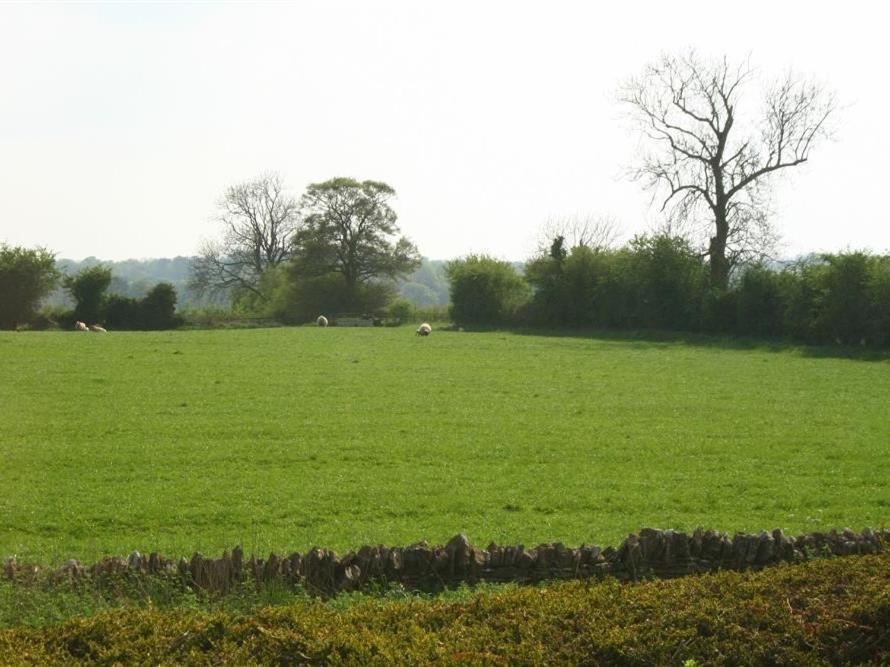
x: 259, y: 221
x: 710, y: 157
x: 595, y: 232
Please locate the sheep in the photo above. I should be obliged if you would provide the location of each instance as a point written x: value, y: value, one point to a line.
x: 80, y: 326
x: 424, y: 330
x: 95, y: 328
x: 322, y: 321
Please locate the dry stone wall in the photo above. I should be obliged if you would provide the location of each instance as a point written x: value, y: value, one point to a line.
x: 651, y: 553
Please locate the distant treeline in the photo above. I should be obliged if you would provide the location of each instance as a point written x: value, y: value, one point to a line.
x: 661, y: 282
x: 134, y: 278
x: 654, y: 282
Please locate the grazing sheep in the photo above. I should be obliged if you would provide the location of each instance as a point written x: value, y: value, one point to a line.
x: 80, y: 326
x: 95, y: 328
x: 424, y: 329
x: 322, y: 321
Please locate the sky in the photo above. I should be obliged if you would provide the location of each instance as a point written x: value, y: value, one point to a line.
x: 121, y: 125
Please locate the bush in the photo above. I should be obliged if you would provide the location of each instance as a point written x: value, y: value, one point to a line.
x: 122, y: 312
x: 672, y: 282
x: 158, y: 308
x: 759, y: 305
x: 798, y: 294
x: 26, y: 276
x: 842, y: 298
x: 842, y: 304
x: 834, y: 611
x: 568, y: 287
x: 42, y: 321
x: 485, y: 290
x: 297, y: 299
x: 878, y: 330
x: 402, y: 310
x: 656, y: 282
x: 87, y: 287
x: 660, y: 282
x: 618, y: 300
x: 720, y: 311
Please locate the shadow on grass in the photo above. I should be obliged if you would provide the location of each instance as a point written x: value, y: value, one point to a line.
x: 662, y: 339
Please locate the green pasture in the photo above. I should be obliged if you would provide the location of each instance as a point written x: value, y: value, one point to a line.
x: 283, y: 439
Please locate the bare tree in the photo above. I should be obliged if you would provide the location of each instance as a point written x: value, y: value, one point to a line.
x: 595, y: 232
x: 259, y: 221
x: 710, y: 157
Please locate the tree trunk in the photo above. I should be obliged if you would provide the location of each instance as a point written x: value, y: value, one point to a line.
x: 717, y: 251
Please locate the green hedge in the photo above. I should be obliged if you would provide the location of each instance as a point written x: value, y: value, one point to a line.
x: 660, y: 282
x: 833, y: 611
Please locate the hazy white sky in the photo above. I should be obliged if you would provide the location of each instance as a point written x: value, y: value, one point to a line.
x: 120, y: 125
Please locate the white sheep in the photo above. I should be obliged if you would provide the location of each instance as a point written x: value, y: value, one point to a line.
x: 322, y: 321
x: 424, y: 330
x: 95, y: 328
x: 80, y: 326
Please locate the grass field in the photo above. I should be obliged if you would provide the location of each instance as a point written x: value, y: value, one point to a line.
x: 281, y: 439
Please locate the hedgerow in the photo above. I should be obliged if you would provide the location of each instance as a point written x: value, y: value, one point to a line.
x: 833, y: 611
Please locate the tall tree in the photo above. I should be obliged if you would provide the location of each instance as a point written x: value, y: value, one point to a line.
x: 26, y: 276
x: 711, y: 157
x: 350, y: 228
x: 259, y: 221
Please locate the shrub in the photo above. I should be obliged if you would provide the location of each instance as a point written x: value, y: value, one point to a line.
x: 878, y: 329
x: 296, y: 299
x: 26, y: 276
x: 567, y: 287
x: 823, y: 612
x: 158, y: 308
x: 402, y: 310
x: 842, y: 304
x: 122, y: 312
x: 87, y: 287
x: 720, y: 311
x: 672, y: 282
x: 798, y: 294
x: 759, y: 306
x: 485, y: 290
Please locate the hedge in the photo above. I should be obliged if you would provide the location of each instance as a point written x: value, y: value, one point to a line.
x: 834, y: 611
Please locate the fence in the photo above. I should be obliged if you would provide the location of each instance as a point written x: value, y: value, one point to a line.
x: 651, y: 553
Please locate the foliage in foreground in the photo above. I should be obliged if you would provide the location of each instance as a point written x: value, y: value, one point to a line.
x: 830, y: 612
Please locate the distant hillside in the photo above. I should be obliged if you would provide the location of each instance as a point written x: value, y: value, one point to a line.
x: 427, y: 286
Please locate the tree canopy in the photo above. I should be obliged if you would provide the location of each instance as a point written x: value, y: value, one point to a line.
x: 87, y: 287
x: 350, y: 228
x: 26, y: 276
